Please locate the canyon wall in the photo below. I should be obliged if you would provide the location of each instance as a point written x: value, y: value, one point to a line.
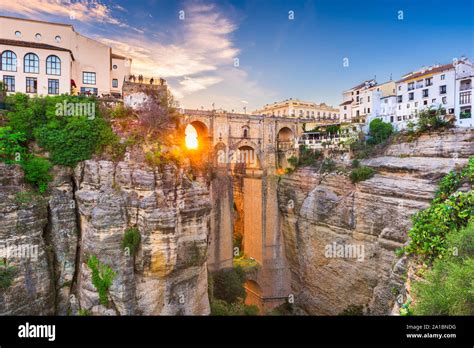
x: 86, y: 213
x: 369, y: 219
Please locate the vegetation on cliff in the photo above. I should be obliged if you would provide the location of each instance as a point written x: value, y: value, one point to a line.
x: 227, y: 293
x: 442, y: 243
x: 102, y: 277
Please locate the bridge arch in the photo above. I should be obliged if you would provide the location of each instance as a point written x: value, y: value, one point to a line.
x: 285, y: 146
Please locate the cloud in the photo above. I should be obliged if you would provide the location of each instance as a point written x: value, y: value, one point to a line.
x: 195, y: 55
x: 83, y: 11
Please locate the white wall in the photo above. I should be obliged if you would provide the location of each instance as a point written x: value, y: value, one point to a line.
x: 42, y: 78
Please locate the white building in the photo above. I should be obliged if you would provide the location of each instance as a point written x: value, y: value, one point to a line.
x: 447, y: 86
x: 463, y: 88
x: 362, y: 103
x: 43, y: 58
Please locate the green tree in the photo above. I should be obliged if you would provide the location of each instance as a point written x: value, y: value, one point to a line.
x: 379, y: 131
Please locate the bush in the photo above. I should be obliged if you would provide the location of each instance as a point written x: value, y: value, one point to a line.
x: 7, y: 274
x: 102, y: 278
x: 228, y: 285
x: 222, y: 308
x: 379, y: 131
x: 430, y: 226
x: 361, y: 174
x: 449, y: 285
x: 352, y: 310
x: 37, y: 172
x: 131, y: 240
x: 431, y: 119
x: 12, y: 147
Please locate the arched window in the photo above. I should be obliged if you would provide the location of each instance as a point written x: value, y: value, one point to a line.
x: 53, y: 65
x: 246, y: 133
x: 8, y: 61
x: 31, y: 63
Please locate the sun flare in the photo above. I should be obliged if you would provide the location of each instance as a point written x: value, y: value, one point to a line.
x: 191, y: 137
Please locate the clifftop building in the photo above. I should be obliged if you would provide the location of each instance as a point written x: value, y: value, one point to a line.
x: 299, y: 109
x: 43, y: 58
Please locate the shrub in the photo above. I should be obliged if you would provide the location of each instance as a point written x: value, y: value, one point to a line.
x: 430, y: 226
x: 102, y: 278
x: 228, y: 285
x: 37, y: 172
x: 84, y: 312
x: 222, y: 308
x: 379, y: 131
x: 131, y: 240
x: 7, y: 274
x: 431, y: 119
x: 361, y: 174
x: 448, y: 288
x: 11, y: 145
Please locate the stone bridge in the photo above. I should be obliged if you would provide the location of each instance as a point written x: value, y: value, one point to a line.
x: 247, y: 151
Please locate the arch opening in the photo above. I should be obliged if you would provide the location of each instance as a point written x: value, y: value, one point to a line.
x: 285, y: 146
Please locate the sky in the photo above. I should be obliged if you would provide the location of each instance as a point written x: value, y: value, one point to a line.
x: 248, y: 53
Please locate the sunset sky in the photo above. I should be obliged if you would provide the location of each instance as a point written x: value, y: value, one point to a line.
x: 278, y: 58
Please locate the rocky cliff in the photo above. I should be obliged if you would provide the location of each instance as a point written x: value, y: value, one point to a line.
x: 87, y: 212
x: 340, y: 238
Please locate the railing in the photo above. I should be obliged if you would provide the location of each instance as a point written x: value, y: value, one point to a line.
x: 142, y: 80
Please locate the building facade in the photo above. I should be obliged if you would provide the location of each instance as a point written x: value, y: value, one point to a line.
x: 447, y: 86
x: 52, y: 58
x: 299, y: 109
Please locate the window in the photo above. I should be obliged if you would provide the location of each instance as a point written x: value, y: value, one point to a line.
x: 419, y: 84
x: 89, y: 78
x: 429, y: 81
x: 416, y: 104
x: 399, y: 99
x: 368, y: 110
x: 246, y: 133
x: 368, y: 99
x: 425, y: 102
x: 8, y: 61
x: 443, y: 77
x: 31, y: 63
x: 411, y: 86
x: 408, y: 106
x: 18, y: 33
x: 442, y: 89
x: 31, y: 85
x: 115, y: 67
x: 399, y: 88
x: 38, y: 36
x: 433, y: 100
x: 411, y: 96
x: 444, y: 100
x: 57, y: 38
x: 9, y: 82
x: 425, y: 93
x: 114, y: 83
x: 451, y: 111
x: 53, y: 86
x: 53, y: 65
x: 391, y: 119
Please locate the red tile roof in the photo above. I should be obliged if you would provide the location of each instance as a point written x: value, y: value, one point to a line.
x: 438, y: 69
x: 346, y: 102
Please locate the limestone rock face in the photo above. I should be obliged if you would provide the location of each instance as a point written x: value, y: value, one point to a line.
x: 168, y: 274
x: 24, y: 219
x: 340, y: 237
x: 86, y: 213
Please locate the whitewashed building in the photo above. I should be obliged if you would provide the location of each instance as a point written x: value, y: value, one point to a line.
x: 42, y: 58
x: 446, y: 86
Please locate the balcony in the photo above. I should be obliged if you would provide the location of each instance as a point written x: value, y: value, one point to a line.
x: 465, y: 85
